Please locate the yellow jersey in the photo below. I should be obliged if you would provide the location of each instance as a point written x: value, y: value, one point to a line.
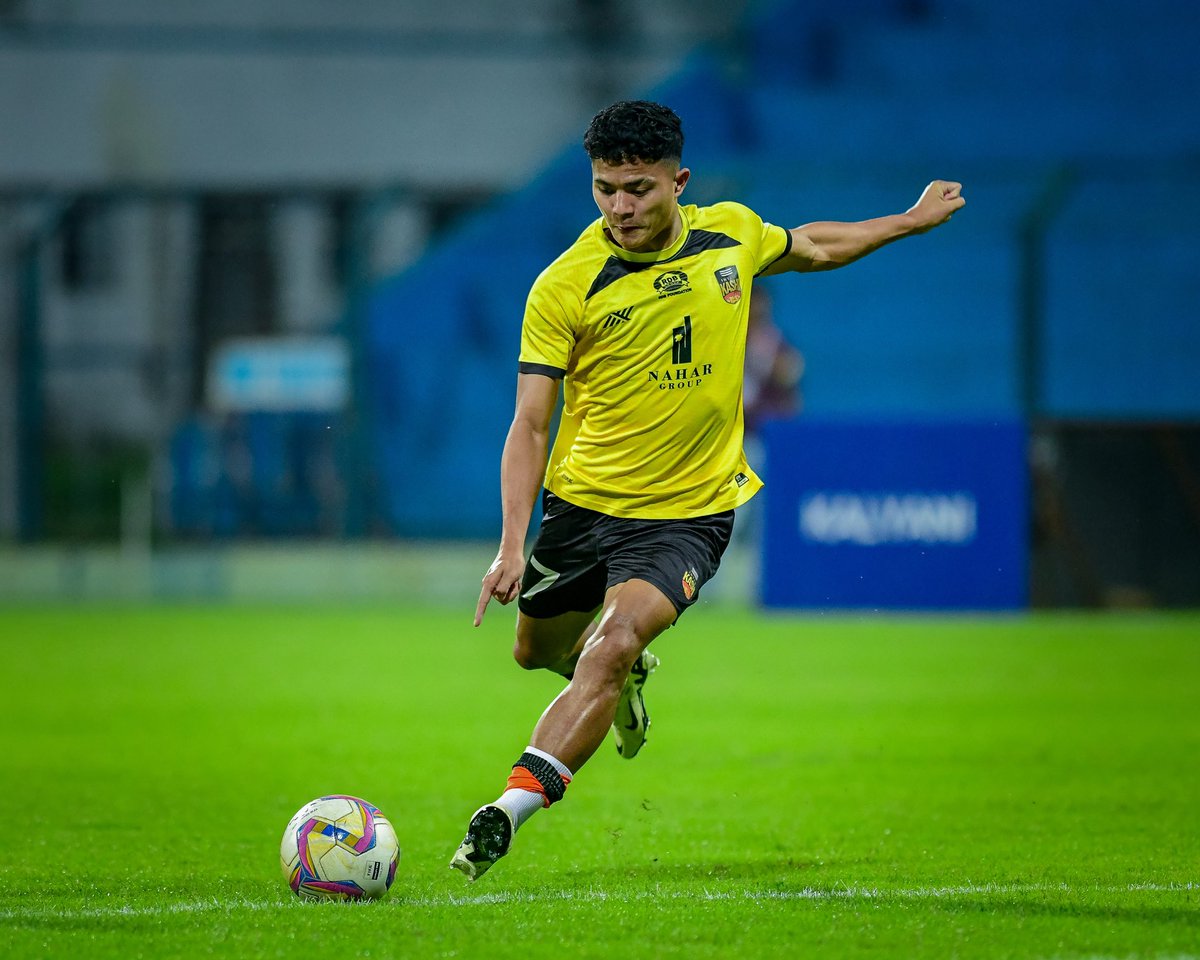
x: 651, y: 348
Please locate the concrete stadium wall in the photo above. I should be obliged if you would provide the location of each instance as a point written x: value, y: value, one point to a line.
x: 267, y: 92
x: 409, y: 572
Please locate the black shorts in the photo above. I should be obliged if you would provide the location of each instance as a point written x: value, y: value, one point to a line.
x: 580, y: 553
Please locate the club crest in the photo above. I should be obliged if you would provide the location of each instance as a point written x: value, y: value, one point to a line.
x: 730, y: 283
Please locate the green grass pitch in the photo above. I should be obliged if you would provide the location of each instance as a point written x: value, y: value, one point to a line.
x: 891, y: 787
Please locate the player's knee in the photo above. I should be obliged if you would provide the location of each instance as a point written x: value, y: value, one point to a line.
x: 529, y: 657
x: 533, y: 652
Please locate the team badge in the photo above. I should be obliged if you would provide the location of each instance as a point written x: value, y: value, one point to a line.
x: 730, y: 283
x: 689, y: 583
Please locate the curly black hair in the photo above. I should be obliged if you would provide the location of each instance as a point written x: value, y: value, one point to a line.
x: 632, y: 130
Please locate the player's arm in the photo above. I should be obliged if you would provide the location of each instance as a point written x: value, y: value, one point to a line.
x: 522, y: 469
x: 828, y: 245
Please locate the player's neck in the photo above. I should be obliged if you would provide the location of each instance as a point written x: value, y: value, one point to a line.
x: 674, y: 232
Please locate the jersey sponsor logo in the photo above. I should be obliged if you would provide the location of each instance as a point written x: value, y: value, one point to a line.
x: 683, y: 372
x: 680, y: 378
x: 671, y: 284
x: 730, y: 283
x: 689, y: 583
x: 681, y: 342
x: 741, y: 479
x: 617, y: 317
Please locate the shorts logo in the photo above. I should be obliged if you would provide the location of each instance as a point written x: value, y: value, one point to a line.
x: 689, y: 584
x: 730, y: 283
x: 672, y: 283
x: 547, y: 579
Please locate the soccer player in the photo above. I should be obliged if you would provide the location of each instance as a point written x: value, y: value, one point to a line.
x: 643, y: 322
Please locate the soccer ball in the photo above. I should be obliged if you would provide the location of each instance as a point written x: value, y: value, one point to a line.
x: 339, y: 848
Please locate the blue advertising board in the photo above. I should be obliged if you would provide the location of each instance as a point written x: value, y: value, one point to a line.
x: 895, y: 515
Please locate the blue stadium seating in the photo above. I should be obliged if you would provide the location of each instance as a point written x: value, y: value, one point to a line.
x: 1122, y: 338
x: 255, y: 475
x: 844, y: 116
x: 1081, y: 111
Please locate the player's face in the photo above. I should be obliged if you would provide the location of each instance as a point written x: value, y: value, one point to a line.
x: 640, y: 202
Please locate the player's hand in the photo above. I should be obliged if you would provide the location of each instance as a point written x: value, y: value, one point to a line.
x: 502, y: 582
x: 937, y: 204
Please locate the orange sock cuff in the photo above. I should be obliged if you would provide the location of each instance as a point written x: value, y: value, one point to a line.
x: 522, y: 778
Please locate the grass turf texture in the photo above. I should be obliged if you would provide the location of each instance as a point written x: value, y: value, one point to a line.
x: 844, y: 787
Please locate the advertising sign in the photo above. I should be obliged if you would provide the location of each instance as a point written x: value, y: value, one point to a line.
x: 895, y: 515
x: 280, y: 374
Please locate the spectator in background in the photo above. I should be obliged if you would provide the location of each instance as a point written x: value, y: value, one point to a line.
x: 770, y: 391
x: 771, y: 388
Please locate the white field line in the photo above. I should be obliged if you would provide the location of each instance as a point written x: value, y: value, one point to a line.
x: 881, y: 894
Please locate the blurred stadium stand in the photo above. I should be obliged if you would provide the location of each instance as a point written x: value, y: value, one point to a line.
x: 413, y: 222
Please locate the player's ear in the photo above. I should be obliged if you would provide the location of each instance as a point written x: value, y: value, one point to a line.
x: 681, y: 179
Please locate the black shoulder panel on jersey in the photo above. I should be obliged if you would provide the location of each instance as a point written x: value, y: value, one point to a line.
x: 705, y: 240
x: 613, y: 270
x: 554, y: 373
x: 698, y: 241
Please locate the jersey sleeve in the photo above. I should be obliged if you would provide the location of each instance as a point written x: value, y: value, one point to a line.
x: 768, y: 241
x: 776, y: 242
x: 773, y: 242
x: 547, y: 333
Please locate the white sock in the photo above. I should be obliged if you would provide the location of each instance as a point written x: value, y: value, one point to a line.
x: 520, y: 804
x: 523, y: 804
x: 553, y: 761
